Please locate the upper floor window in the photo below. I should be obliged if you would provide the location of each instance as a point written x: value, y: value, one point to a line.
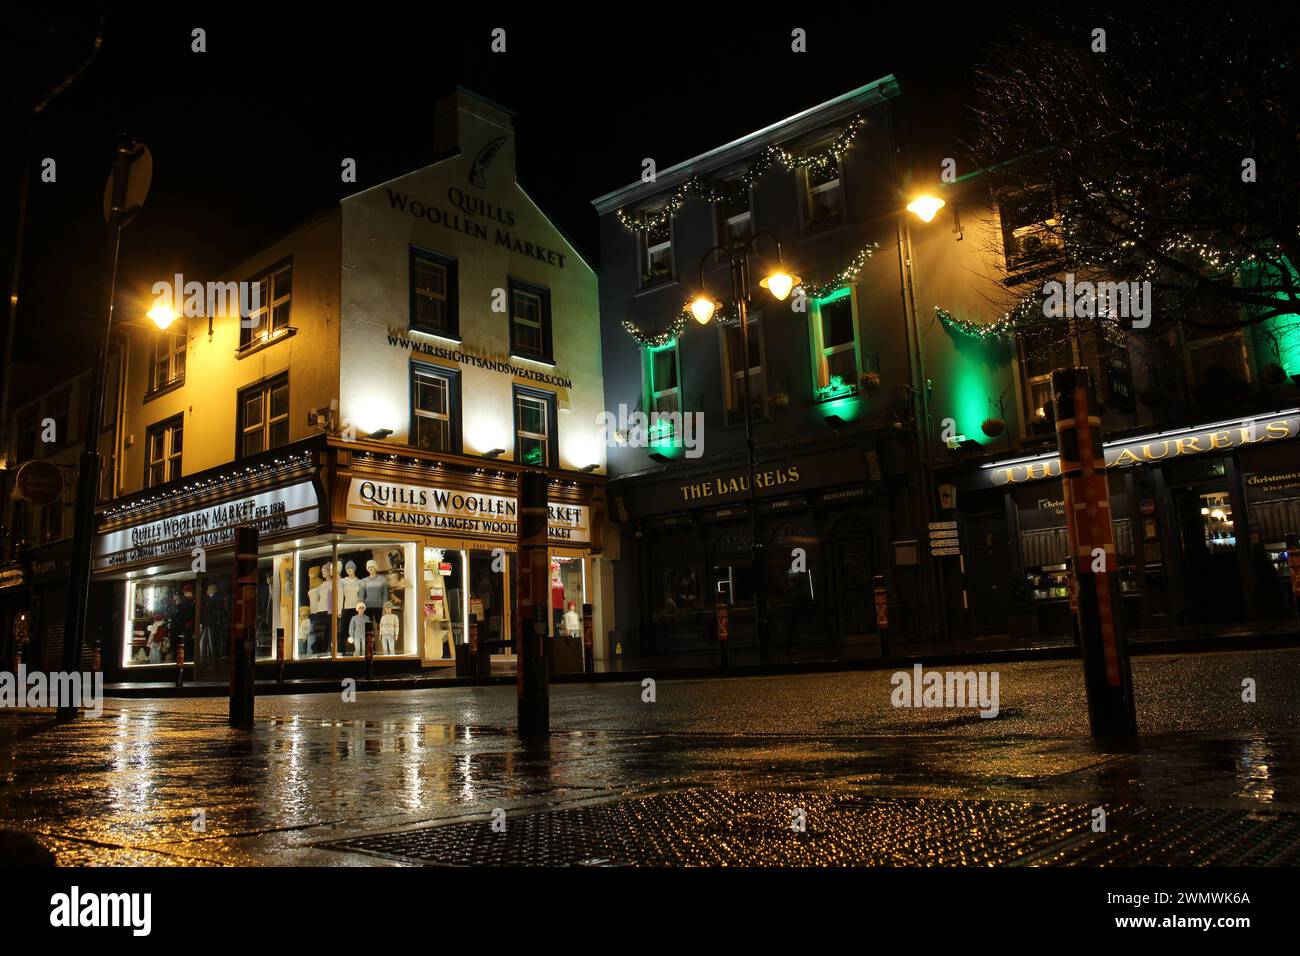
x: 28, y: 430
x: 434, y: 299
x: 735, y: 215
x: 263, y: 416
x: 1216, y: 364
x: 734, y: 361
x: 530, y: 321
x: 822, y: 186
x: 534, y: 427
x: 435, y: 408
x: 656, y: 252
x: 271, y: 317
x: 1030, y: 228
x: 1044, y: 349
x: 168, y: 360
x: 837, y: 341
x: 163, y: 451
x: 665, y: 386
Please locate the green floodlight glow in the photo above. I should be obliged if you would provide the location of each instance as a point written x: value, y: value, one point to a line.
x: 835, y: 296
x: 846, y: 408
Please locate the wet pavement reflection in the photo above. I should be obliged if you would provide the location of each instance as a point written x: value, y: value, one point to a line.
x: 168, y: 782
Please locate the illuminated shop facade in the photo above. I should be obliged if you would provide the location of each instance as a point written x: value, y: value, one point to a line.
x: 1201, y: 517
x: 424, y: 343
x: 354, y: 541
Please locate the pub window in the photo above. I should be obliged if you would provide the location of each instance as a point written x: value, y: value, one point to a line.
x: 822, y: 189
x: 534, y: 427
x: 271, y: 317
x: 735, y: 222
x: 733, y: 359
x: 163, y: 451
x: 1030, y: 228
x: 434, y: 299
x: 656, y: 252
x: 168, y: 360
x: 664, y: 381
x: 264, y: 416
x: 1042, y: 351
x: 837, y: 341
x: 435, y: 408
x: 530, y: 321
x: 1216, y: 365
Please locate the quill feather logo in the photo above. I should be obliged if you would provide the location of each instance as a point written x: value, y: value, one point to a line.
x: 481, y: 161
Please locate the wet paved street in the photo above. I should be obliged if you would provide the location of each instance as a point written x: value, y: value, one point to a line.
x: 127, y: 788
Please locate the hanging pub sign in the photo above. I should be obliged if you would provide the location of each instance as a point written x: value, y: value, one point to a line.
x: 429, y: 509
x: 273, y: 513
x: 39, y: 482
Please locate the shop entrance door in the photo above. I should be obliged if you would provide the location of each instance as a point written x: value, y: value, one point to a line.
x: 491, y: 596
x: 853, y: 598
x: 213, y: 660
x: 1212, y: 583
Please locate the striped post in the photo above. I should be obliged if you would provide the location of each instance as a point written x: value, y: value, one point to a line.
x: 1100, y: 623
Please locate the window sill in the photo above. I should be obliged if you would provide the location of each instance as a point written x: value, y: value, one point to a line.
x: 159, y: 392
x: 257, y: 346
x: 656, y: 285
x: 549, y: 363
x: 454, y: 339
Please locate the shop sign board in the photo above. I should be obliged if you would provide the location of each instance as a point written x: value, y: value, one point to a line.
x: 1148, y: 449
x: 427, y: 509
x: 274, y: 513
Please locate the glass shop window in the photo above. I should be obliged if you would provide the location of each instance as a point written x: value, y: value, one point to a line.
x: 317, y: 603
x: 162, y: 615
x: 442, y: 611
x: 276, y: 610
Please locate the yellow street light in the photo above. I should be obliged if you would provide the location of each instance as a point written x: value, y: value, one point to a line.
x: 779, y: 283
x: 925, y: 206
x: 162, y: 315
x: 703, y: 307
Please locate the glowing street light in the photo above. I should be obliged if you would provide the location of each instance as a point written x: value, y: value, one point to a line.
x: 925, y: 206
x: 162, y: 315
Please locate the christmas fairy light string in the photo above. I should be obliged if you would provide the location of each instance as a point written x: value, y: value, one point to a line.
x: 827, y: 157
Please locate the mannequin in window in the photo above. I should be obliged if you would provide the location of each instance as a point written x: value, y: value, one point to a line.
x: 319, y: 595
x: 572, y: 623
x: 557, y: 597
x: 357, y: 630
x: 349, y: 597
x: 374, y: 587
x: 389, y: 625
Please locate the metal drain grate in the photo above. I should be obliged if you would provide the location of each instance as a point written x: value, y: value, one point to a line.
x: 745, y: 828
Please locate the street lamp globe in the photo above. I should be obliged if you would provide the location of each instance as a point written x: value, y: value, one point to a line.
x: 703, y: 307
x: 925, y: 206
x: 162, y: 315
x: 779, y: 283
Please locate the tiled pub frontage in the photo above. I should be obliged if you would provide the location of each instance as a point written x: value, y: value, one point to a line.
x: 413, y: 551
x: 1201, y: 518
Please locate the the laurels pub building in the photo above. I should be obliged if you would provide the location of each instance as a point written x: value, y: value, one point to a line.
x: 417, y: 347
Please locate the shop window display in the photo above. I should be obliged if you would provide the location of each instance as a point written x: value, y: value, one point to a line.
x: 487, y: 594
x: 213, y: 658
x: 316, y: 602
x: 442, y: 611
x: 567, y: 593
x: 372, y: 575
x: 163, y: 617
x: 275, y: 605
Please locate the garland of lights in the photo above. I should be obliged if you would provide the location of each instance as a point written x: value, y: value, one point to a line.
x: 846, y: 275
x: 987, y: 332
x: 733, y: 189
x: 655, y: 340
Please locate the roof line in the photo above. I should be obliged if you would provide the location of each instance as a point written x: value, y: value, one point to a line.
x: 887, y: 87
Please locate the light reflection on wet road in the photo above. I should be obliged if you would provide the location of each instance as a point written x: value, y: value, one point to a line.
x: 127, y: 788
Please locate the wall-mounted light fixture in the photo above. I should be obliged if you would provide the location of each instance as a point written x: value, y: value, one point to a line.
x: 379, y: 434
x: 494, y: 452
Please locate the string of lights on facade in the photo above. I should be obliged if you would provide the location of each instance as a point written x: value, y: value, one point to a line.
x: 274, y: 467
x: 655, y: 340
x: 714, y: 191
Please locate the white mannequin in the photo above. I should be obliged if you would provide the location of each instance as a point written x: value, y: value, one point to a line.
x: 350, y: 586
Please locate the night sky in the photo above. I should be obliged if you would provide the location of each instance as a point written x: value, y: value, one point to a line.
x: 247, y: 138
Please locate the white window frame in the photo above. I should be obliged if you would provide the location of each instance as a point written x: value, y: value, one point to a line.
x: 824, y: 351
x: 260, y: 331
x: 168, y: 347
x: 170, y: 462
x: 445, y: 383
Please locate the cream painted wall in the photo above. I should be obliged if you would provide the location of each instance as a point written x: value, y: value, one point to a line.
x: 375, y: 377
x: 213, y: 373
